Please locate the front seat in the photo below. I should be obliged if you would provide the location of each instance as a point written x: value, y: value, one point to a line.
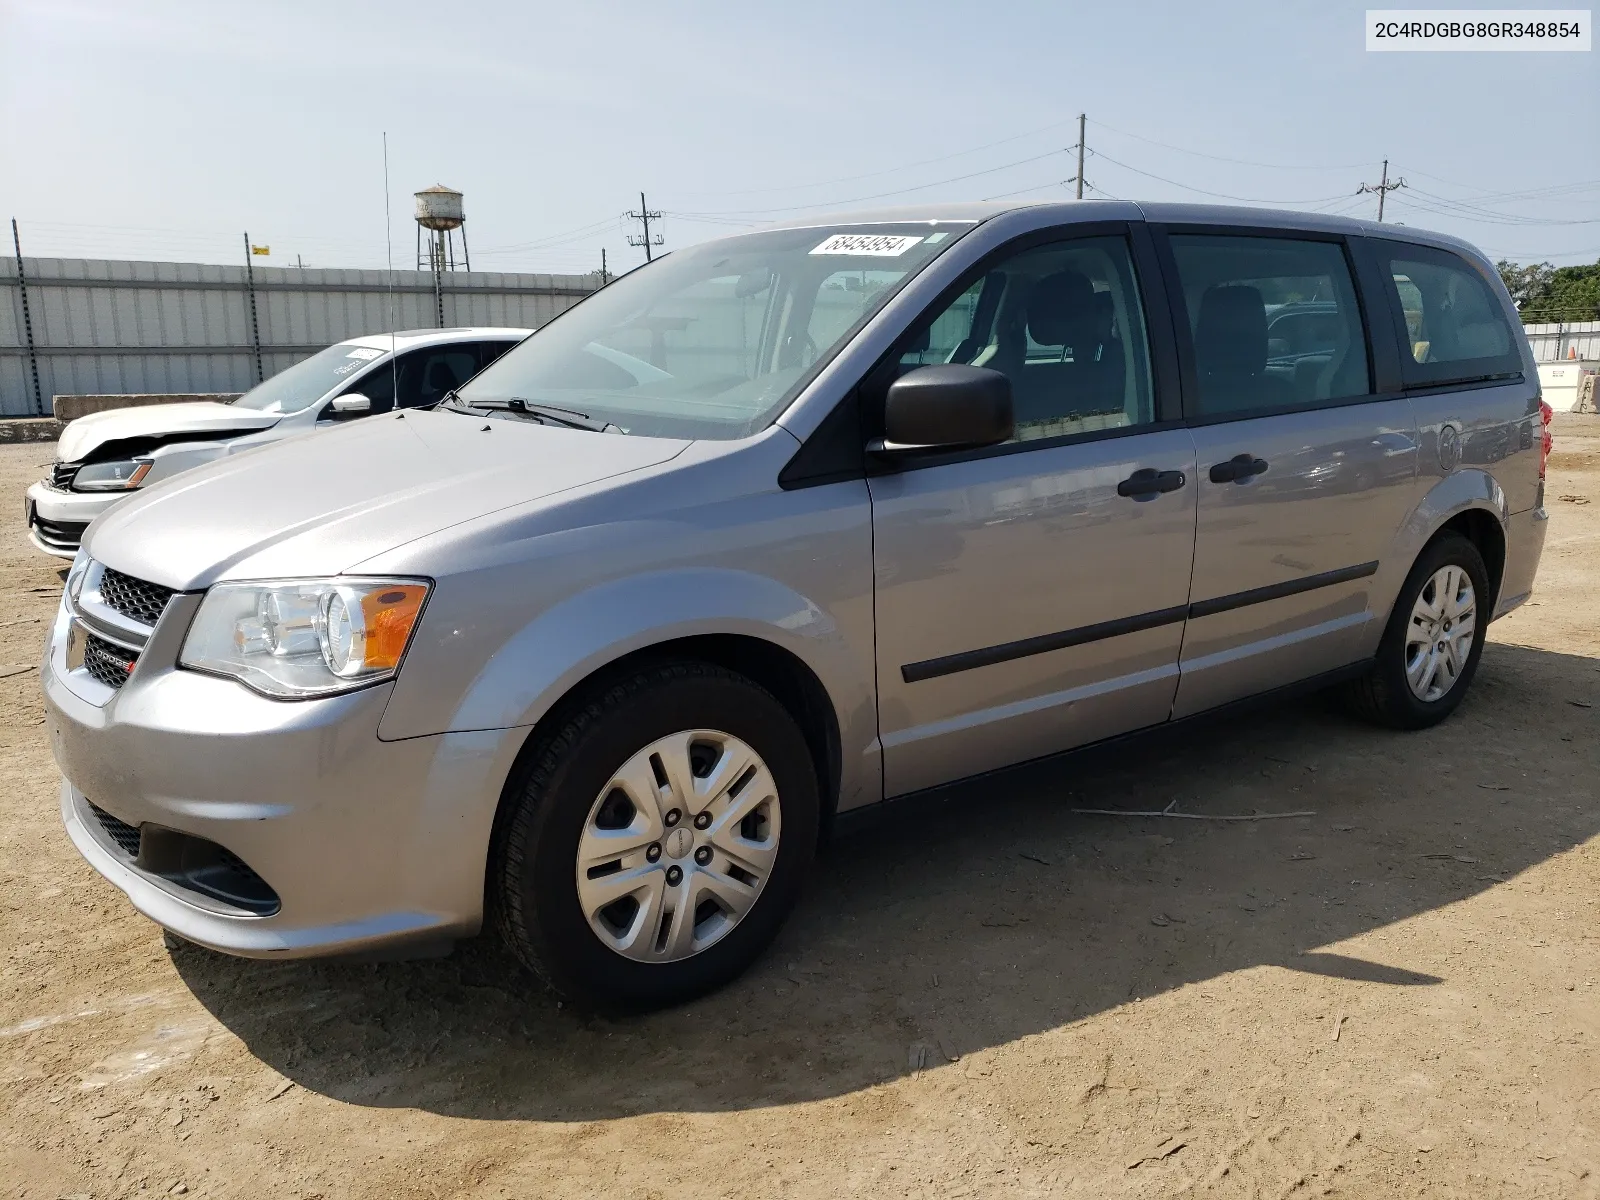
x: 442, y: 377
x: 1230, y: 349
x: 1061, y: 311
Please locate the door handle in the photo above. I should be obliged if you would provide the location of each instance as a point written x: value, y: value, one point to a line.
x: 1146, y: 483
x: 1238, y: 469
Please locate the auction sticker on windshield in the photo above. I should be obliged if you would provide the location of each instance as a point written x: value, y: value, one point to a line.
x: 878, y: 245
x: 364, y: 354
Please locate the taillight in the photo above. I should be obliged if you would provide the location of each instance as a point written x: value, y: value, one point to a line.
x: 1546, y: 415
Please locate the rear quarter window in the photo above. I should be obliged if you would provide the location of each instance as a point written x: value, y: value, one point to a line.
x: 1452, y: 323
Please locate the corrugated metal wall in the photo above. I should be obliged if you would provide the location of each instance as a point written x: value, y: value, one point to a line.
x: 1554, y: 342
x: 111, y: 327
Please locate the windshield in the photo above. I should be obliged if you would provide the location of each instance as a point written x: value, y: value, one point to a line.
x: 713, y: 341
x: 308, y: 381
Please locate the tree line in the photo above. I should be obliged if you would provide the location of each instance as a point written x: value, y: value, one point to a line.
x: 1546, y: 293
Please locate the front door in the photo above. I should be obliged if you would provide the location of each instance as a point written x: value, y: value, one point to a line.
x: 1031, y: 597
x: 1305, y: 475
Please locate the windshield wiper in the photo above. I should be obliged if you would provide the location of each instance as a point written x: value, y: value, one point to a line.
x: 543, y: 413
x: 569, y: 417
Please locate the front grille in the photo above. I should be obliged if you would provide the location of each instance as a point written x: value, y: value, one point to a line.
x: 62, y: 474
x: 124, y: 835
x: 59, y: 535
x: 134, y: 598
x: 107, y: 661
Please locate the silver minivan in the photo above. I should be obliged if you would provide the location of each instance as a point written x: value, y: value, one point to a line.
x: 772, y: 530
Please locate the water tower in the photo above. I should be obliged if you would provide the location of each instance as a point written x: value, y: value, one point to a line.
x: 439, y: 212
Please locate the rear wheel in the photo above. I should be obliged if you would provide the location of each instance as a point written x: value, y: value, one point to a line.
x: 1431, y: 647
x: 657, y: 839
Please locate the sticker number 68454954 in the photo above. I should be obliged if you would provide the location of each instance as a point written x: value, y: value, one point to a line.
x: 877, y: 245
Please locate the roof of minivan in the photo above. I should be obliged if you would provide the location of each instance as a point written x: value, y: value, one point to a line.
x: 408, y: 338
x: 1072, y: 211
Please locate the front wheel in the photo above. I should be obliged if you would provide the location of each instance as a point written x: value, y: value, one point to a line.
x: 1430, y: 649
x: 657, y: 839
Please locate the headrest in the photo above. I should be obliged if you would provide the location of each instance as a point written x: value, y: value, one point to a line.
x: 1230, y: 337
x: 442, y: 375
x: 1105, y: 315
x: 1469, y: 303
x: 1061, y: 310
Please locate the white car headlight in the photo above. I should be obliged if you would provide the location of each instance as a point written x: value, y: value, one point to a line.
x: 111, y: 476
x: 305, y: 637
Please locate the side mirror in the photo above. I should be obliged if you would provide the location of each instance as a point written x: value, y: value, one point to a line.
x: 948, y: 406
x: 351, y: 404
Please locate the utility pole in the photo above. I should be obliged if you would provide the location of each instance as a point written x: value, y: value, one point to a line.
x: 645, y: 216
x: 1082, y: 120
x: 605, y: 275
x: 27, y: 320
x: 1382, y: 189
x: 255, y: 323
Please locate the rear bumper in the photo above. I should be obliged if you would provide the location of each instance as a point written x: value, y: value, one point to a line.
x: 1525, y: 533
x: 57, y: 519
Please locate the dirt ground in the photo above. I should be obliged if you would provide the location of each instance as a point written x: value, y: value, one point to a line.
x: 1396, y: 996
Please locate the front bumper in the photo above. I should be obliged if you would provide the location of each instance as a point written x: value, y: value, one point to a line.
x: 365, y: 843
x: 57, y: 519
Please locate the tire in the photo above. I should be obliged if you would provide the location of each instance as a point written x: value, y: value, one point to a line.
x: 556, y: 810
x: 1386, y: 695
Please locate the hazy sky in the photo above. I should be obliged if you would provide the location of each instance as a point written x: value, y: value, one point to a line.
x: 162, y: 129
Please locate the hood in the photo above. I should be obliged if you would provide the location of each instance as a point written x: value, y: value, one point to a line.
x: 317, y: 505
x: 87, y: 434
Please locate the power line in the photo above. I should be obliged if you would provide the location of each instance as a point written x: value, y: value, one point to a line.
x: 1549, y: 192
x: 1542, y: 255
x: 757, y: 212
x: 1466, y: 211
x: 1038, y: 187
x: 1203, y: 192
x: 556, y: 238
x: 709, y: 219
x: 891, y: 170
x: 1243, y: 162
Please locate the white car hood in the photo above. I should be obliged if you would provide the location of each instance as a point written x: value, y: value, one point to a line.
x: 86, y: 434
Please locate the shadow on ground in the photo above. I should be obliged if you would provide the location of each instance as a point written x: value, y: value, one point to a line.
x: 989, y: 918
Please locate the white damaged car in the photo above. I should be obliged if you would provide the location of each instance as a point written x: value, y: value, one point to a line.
x: 106, y: 456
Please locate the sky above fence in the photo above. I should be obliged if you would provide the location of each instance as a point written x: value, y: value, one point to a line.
x: 165, y: 129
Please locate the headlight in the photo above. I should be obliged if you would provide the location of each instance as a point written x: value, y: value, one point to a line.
x: 111, y: 476
x: 304, y: 637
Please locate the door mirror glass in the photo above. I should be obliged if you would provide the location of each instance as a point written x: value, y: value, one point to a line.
x: 948, y: 406
x: 351, y: 404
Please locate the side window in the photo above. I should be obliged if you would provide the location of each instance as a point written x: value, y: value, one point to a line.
x: 1456, y: 326
x: 1065, y: 322
x: 376, y: 385
x: 426, y: 375
x: 489, y: 351
x: 840, y: 298
x: 1274, y: 322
